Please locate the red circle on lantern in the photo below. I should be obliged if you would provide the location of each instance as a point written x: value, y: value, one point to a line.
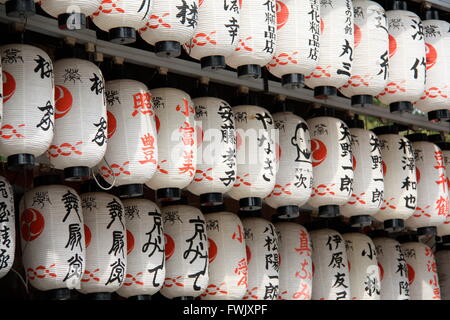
x: 354, y: 163
x: 212, y: 251
x: 200, y: 3
x: 277, y: 152
x: 240, y: 3
x: 200, y: 135
x: 112, y: 124
x: 9, y: 86
x: 322, y: 26
x: 319, y: 152
x: 249, y: 254
x: 418, y: 174
x: 313, y: 269
x: 282, y: 14
x: 32, y: 224
x: 358, y: 35
x: 392, y: 46
x: 63, y: 101
x: 411, y: 274
x: 238, y: 141
x: 87, y: 236
x: 349, y: 266
x: 381, y: 272
x: 130, y: 242
x: 384, y: 167
x: 157, y: 123
x: 431, y: 56
x: 170, y: 246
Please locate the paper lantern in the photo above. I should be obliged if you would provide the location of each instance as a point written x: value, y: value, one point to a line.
x: 436, y: 97
x: 393, y: 269
x: 7, y: 227
x: 145, y: 271
x: 294, y: 179
x: 186, y: 252
x: 332, y: 165
x: 228, y: 270
x: 368, y: 185
x: 171, y: 24
x: 216, y: 150
x: 362, y: 262
x: 407, y: 62
x: 298, y: 32
x: 371, y: 53
x: 121, y: 18
x: 28, y: 100
x: 217, y: 33
x: 336, y: 48
x: 262, y: 258
x: 400, y: 181
x: 106, y: 244
x: 81, y: 126
x: 132, y: 154
x: 256, y: 168
x: 443, y: 230
x: 257, y: 38
x: 296, y: 269
x: 177, y: 142
x: 432, y: 188
x: 422, y: 271
x: 443, y: 268
x: 71, y: 14
x: 331, y: 279
x: 52, y: 237
x: 20, y: 8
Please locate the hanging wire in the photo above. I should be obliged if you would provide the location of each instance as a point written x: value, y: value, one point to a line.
x: 99, y: 184
x: 24, y: 282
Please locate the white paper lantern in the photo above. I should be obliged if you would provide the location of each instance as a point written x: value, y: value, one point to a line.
x: 71, y: 14
x: 331, y: 279
x: 362, y: 262
x: 121, y: 18
x: 228, y: 270
x: 217, y: 33
x: 443, y: 268
x: 106, y: 244
x: 294, y: 178
x: 332, y: 164
x: 132, y: 155
x: 407, y: 63
x: 298, y: 32
x: 368, y: 186
x: 400, y: 181
x: 257, y: 38
x: 436, y: 97
x: 422, y: 271
x: 81, y: 126
x: 256, y: 168
x: 216, y: 150
x: 7, y: 227
x: 20, y: 8
x: 177, y: 141
x: 52, y: 237
x: 432, y: 189
x: 171, y: 24
x: 145, y: 249
x: 186, y: 252
x: 443, y: 230
x: 262, y: 258
x: 371, y: 53
x: 296, y: 270
x: 393, y: 269
x: 336, y: 48
x: 28, y: 100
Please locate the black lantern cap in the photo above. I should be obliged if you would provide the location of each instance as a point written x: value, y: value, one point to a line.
x: 131, y: 190
x: 360, y: 221
x: 122, y: 35
x: 169, y: 49
x: 21, y: 161
x: 293, y: 81
x: 386, y: 130
x: 250, y: 204
x: 286, y: 213
x: 211, y: 199
x: 324, y: 92
x: 213, y: 63
x: 402, y: 106
x: 168, y: 194
x: 77, y: 173
x: 394, y: 225
x: 58, y: 294
x: 427, y: 231
x: 431, y: 14
x: 399, y: 5
x: 20, y: 8
x: 438, y: 115
x: 362, y: 100
x: 249, y: 71
x: 330, y: 211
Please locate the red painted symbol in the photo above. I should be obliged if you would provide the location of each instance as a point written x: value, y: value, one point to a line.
x: 358, y: 35
x: 200, y: 175
x: 142, y: 103
x: 130, y: 279
x: 107, y: 7
x: 381, y: 272
x: 160, y: 169
x: 249, y: 254
x: 8, y: 131
x: 282, y: 14
x: 91, y: 275
x: 63, y: 101
x: 170, y: 246
x: 320, y: 72
x: 357, y: 199
x: 319, y: 152
x: 212, y: 251
x: 32, y: 224
x: 387, y: 204
x: 418, y: 175
x: 384, y: 168
x: 239, y: 236
x: 115, y: 170
x: 65, y: 150
x: 87, y: 236
x: 156, y: 21
x: 185, y: 108
x: 238, y: 141
x: 213, y: 290
x: 303, y: 294
x: 422, y: 212
x: 432, y: 56
x: 112, y: 124
x: 200, y: 135
x: 200, y: 3
x: 243, y: 46
x: 277, y: 152
x: 9, y: 86
x: 130, y: 242
x: 202, y: 39
x: 392, y: 46
x: 411, y: 274
x: 157, y: 123
x: 240, y: 181
x: 322, y: 26
x: 251, y: 294
x: 170, y: 282
x: 41, y: 272
x: 354, y: 163
x: 242, y: 270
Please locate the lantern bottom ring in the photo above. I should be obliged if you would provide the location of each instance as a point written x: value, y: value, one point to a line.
x: 399, y: 5
x: 58, y: 294
x: 183, y: 298
x: 20, y: 8
x: 401, y: 106
x: 131, y: 190
x: 168, y: 194
x: 250, y: 204
x: 72, y: 21
x: 76, y: 173
x: 427, y: 231
x: 362, y: 100
x: 213, y: 63
x: 438, y: 115
x: 293, y: 81
x: 446, y: 240
x: 21, y: 161
x: 330, y: 211
x: 142, y: 297
x: 324, y: 92
x: 99, y: 296
x: 169, y: 49
x: 287, y: 213
x: 122, y: 35
x: 361, y: 221
x: 211, y: 199
x: 249, y: 71
x: 394, y: 225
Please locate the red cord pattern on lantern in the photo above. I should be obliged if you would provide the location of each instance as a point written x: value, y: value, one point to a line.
x: 202, y: 39
x: 213, y: 290
x: 434, y: 93
x: 422, y: 212
x: 200, y: 175
x: 242, y: 181
x: 11, y: 131
x: 66, y: 149
x: 387, y: 204
x: 358, y: 81
x: 243, y: 46
x: 109, y: 172
x: 155, y: 22
x: 108, y: 6
x: 319, y: 192
x: 283, y: 59
x: 130, y: 279
x: 392, y: 88
x: 278, y: 190
x: 358, y: 199
x: 91, y: 276
x: 160, y: 169
x: 251, y: 294
x: 41, y: 272
x: 173, y: 281
x: 321, y: 72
